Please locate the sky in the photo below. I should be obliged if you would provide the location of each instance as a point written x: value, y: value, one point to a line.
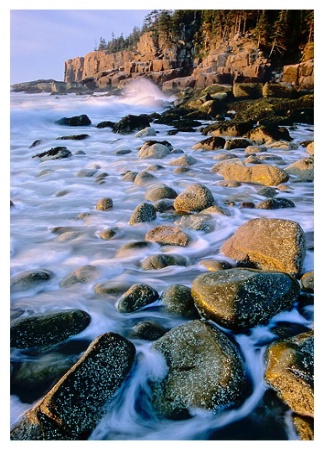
x: 41, y: 40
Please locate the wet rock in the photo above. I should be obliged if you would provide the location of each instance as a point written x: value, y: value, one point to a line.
x: 106, y: 124
x: 303, y: 169
x: 252, y: 149
x: 243, y: 298
x: 36, y: 143
x: 211, y: 143
x: 108, y: 233
x: 252, y: 159
x: 310, y: 148
x: 148, y: 131
x: 54, y: 153
x: 123, y: 152
x: 205, y: 371
x: 47, y: 329
x: 136, y: 297
x: 144, y: 178
x: 131, y: 123
x: 104, y: 204
x: 276, y: 203
x: 83, y: 275
x: 111, y: 287
x: 264, y: 134
x: 159, y: 192
x: 159, y: 261
x: 148, y: 330
x: 73, y: 137
x: 267, y: 191
x: 290, y: 371
x: 307, y: 281
x: 215, y: 209
x: 29, y: 278
x: 74, y: 406
x: 225, y: 155
x: 260, y: 174
x: 86, y: 172
x: 75, y: 121
x: 235, y: 143
x: 155, y: 149
x: 131, y: 248
x: 214, y: 265
x: 304, y: 427
x: 163, y: 205
x: 194, y: 198
x: 271, y: 244
x: 233, y: 128
x: 177, y: 299
x: 198, y: 222
x: 129, y: 176
x: 184, y: 161
x: 144, y: 212
x: 167, y: 235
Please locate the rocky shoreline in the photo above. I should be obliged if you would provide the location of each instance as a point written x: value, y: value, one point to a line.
x: 205, y: 368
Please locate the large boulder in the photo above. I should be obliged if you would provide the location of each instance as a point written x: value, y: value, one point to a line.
x: 75, y: 121
x: 205, y: 370
x: 260, y: 174
x: 43, y: 330
x: 243, y: 298
x: 177, y: 299
x: 136, y: 297
x: 131, y: 123
x: 29, y: 278
x: 74, y: 406
x: 194, y: 198
x: 155, y: 149
x: 302, y: 169
x: 270, y: 244
x: 290, y: 371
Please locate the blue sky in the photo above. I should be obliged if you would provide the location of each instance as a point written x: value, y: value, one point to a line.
x: 41, y: 40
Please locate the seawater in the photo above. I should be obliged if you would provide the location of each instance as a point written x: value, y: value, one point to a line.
x: 53, y: 194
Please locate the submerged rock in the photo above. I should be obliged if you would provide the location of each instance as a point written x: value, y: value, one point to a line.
x: 148, y: 330
x: 54, y: 153
x: 47, y: 329
x: 205, y: 370
x: 29, y: 278
x: 131, y: 123
x: 211, y: 143
x: 83, y: 275
x: 271, y: 244
x: 75, y: 121
x: 167, y: 235
x: 243, y: 298
x: 159, y: 261
x: 159, y: 192
x: 74, y: 406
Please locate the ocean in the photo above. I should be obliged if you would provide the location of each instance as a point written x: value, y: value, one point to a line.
x: 64, y: 193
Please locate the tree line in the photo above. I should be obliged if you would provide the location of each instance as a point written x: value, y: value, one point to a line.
x: 281, y: 34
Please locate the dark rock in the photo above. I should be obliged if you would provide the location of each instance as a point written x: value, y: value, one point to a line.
x: 236, y: 143
x: 73, y: 408
x: 267, y: 191
x: 307, y: 281
x: 263, y: 134
x: 106, y: 124
x: 276, y: 203
x: 178, y: 300
x: 54, y: 153
x: 211, y: 143
x: 148, y: 330
x: 29, y: 278
x: 74, y: 137
x: 228, y: 128
x: 136, y: 297
x: 75, y: 121
x: 35, y: 143
x: 205, y: 371
x: 243, y: 298
x: 131, y: 123
x: 47, y: 329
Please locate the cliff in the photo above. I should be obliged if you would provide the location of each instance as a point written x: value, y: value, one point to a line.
x: 175, y: 67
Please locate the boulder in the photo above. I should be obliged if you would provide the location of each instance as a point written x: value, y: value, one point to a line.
x: 290, y: 371
x: 144, y: 212
x: 184, y: 161
x: 265, y: 134
x: 155, y: 149
x: 54, y: 153
x: 228, y: 128
x: 211, y: 143
x: 162, y: 260
x: 104, y: 203
x: 148, y: 131
x: 148, y: 330
x: 205, y: 370
x: 264, y: 174
x: 243, y: 298
x: 74, y: 406
x: 42, y: 330
x: 75, y: 121
x: 144, y: 178
x: 136, y: 297
x: 194, y: 198
x: 131, y: 123
x: 276, y: 203
x: 29, y: 278
x: 132, y: 248
x: 235, y: 143
x: 167, y: 235
x: 83, y: 275
x: 270, y: 244
x: 158, y: 192
x: 199, y: 222
x: 303, y: 169
x: 177, y: 299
